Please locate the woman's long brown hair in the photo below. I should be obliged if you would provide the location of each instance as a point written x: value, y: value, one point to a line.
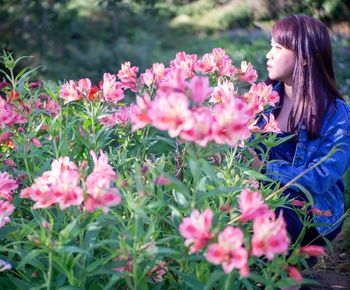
x: 314, y: 86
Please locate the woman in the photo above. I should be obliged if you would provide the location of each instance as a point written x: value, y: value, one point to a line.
x: 300, y: 67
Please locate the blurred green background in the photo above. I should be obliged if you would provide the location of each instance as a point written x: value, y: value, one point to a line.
x: 72, y: 39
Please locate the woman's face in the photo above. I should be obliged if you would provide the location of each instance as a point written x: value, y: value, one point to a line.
x: 280, y: 63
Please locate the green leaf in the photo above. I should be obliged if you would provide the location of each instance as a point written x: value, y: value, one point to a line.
x: 71, y: 249
x: 20, y: 284
x: 218, y: 191
x: 256, y: 175
x: 30, y: 258
x: 215, y: 276
x: 180, y: 199
x: 81, y: 139
x: 7, y: 230
x: 190, y: 280
x: 69, y: 232
x: 163, y: 251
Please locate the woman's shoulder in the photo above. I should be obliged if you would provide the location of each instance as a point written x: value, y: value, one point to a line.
x: 342, y: 105
x: 338, y: 116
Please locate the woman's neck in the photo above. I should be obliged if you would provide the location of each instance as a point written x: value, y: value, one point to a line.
x: 288, y: 92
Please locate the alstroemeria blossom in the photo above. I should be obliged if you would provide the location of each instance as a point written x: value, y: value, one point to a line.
x: 200, y: 89
x: 98, y: 185
x: 247, y: 73
x: 313, y: 250
x: 294, y: 273
x: 216, y: 61
x: 127, y: 76
x: 196, y: 229
x: 229, y: 251
x: 59, y: 185
x: 7, y: 185
x: 252, y: 205
x: 6, y: 209
x: 270, y: 236
x: 186, y: 62
x: 111, y: 89
x: 121, y: 117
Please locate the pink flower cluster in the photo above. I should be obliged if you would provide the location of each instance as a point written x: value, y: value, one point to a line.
x: 179, y: 102
x: 111, y: 90
x: 7, y: 185
x: 196, y: 229
x: 229, y: 251
x: 269, y: 234
x: 175, y: 99
x: 10, y: 114
x: 61, y: 185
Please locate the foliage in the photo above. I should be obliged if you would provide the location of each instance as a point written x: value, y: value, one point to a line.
x: 80, y: 220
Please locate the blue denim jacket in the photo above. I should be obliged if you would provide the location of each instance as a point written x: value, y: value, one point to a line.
x: 325, y: 181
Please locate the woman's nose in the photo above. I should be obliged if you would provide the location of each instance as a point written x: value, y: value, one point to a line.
x: 268, y: 54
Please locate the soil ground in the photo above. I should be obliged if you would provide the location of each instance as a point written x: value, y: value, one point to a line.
x: 332, y: 271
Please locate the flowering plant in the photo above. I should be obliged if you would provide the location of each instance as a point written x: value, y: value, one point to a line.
x: 143, y: 181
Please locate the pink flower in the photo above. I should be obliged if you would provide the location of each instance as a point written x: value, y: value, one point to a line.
x: 127, y: 268
x: 139, y: 115
x: 161, y: 180
x: 158, y: 272
x: 200, y: 89
x: 232, y: 118
x: 127, y: 76
x: 297, y: 202
x: 223, y: 93
x: 171, y: 113
x: 160, y: 72
x: 6, y: 209
x: 294, y: 273
x: 7, y: 184
x: 69, y: 92
x: 9, y: 162
x: 5, y: 137
x: 154, y: 75
x: 318, y: 212
x: 216, y: 61
x: 271, y: 125
x: 185, y: 62
x: 229, y: 251
x: 118, y: 118
x: 35, y: 85
x: 196, y: 229
x: 247, y: 73
x: 261, y: 95
x: 270, y: 236
x: 175, y: 82
x: 36, y: 142
x: 60, y: 185
x: 101, y: 195
x: 111, y: 89
x: 84, y: 88
x: 52, y: 107
x: 201, y: 130
x: 313, y: 250
x: 147, y: 78
x: 252, y: 205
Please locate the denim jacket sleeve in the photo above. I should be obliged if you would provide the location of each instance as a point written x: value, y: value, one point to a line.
x: 335, y: 132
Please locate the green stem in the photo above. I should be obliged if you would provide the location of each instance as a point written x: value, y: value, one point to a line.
x: 49, y: 275
x: 228, y: 283
x: 233, y: 155
x: 27, y: 170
